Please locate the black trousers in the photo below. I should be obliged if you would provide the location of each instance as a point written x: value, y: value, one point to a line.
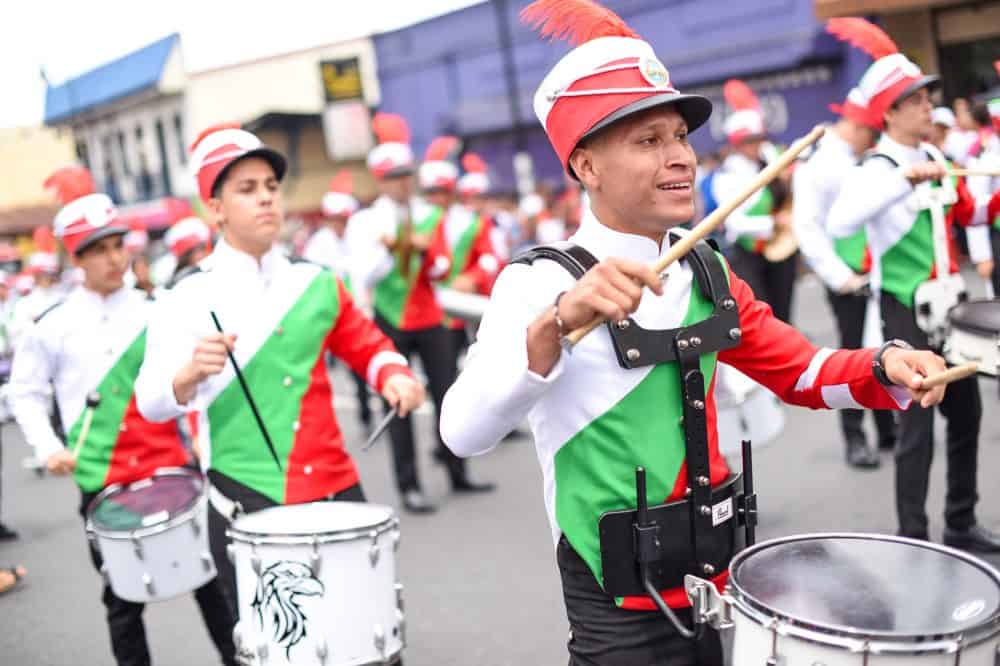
x: 772, y: 282
x: 995, y: 242
x: 849, y: 311
x: 251, y: 501
x: 437, y: 355
x: 128, y: 631
x: 601, y: 634
x: 963, y: 408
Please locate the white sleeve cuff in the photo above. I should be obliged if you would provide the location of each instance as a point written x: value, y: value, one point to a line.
x: 379, y: 361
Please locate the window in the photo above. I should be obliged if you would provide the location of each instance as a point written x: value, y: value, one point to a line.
x: 82, y: 155
x: 179, y: 133
x: 124, y: 154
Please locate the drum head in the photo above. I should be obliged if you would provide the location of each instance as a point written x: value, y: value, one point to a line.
x: 146, y: 503
x: 867, y: 584
x: 978, y: 316
x: 312, y: 519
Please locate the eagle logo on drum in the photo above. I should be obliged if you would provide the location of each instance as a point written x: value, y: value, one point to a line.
x: 280, y: 589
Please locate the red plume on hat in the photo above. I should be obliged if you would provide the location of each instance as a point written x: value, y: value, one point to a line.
x: 70, y: 183
x: 473, y: 163
x: 43, y: 239
x: 342, y: 182
x: 211, y: 130
x: 862, y: 34
x: 575, y: 21
x: 442, y: 149
x: 739, y: 96
x: 390, y: 128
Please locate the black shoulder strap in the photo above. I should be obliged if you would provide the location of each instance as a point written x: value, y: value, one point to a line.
x: 872, y: 155
x: 183, y: 274
x: 48, y: 310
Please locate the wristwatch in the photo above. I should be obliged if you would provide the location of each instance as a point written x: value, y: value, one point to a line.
x: 877, y: 368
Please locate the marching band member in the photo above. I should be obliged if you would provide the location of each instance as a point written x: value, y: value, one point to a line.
x: 94, y: 340
x: 279, y: 320
x: 43, y: 267
x: 842, y: 264
x: 473, y: 189
x: 621, y: 128
x: 985, y: 154
x: 189, y: 241
x: 764, y: 215
x: 401, y: 251
x: 893, y: 195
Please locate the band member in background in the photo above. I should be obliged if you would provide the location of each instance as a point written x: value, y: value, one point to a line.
x: 842, y: 264
x: 891, y: 195
x: 623, y: 132
x: 985, y: 155
x: 279, y: 319
x: 94, y: 340
x: 764, y: 216
x: 330, y: 246
x: 401, y: 251
x: 189, y: 241
x: 43, y: 267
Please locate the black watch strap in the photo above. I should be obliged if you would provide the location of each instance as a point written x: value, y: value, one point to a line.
x: 877, y: 368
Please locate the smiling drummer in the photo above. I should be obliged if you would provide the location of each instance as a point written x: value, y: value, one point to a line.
x: 615, y: 403
x: 280, y: 319
x: 93, y: 341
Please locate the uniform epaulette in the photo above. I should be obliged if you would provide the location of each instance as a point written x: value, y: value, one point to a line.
x: 48, y: 310
x: 303, y: 260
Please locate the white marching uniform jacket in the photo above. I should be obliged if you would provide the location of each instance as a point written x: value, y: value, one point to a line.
x: 733, y: 176
x: 328, y: 249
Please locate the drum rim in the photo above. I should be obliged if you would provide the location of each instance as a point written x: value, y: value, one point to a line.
x: 147, y: 530
x: 793, y: 626
x: 299, y: 538
x: 971, y: 327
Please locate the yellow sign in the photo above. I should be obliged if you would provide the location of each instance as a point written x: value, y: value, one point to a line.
x: 342, y: 79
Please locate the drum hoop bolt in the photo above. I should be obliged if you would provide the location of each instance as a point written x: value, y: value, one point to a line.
x: 322, y: 651
x: 379, y: 640
x: 373, y: 551
x: 147, y: 581
x: 315, y: 559
x: 137, y: 547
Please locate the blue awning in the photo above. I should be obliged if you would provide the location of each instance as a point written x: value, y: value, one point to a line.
x: 128, y: 75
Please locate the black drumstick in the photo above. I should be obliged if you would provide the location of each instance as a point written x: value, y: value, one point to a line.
x: 246, y: 394
x: 381, y: 428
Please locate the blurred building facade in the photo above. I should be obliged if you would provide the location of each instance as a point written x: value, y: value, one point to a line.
x: 30, y: 154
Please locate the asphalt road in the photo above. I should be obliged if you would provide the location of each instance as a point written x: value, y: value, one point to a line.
x: 480, y: 577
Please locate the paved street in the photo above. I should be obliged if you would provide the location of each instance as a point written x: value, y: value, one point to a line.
x: 481, y: 583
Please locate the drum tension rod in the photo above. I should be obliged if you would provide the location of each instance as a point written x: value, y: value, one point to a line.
x: 647, y: 541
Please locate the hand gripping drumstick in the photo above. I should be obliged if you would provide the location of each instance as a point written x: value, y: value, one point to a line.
x: 93, y: 400
x: 950, y: 375
x: 707, y: 225
x: 246, y: 394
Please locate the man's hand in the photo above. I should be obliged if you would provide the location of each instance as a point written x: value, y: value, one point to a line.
x: 403, y: 392
x: 61, y: 463
x: 908, y: 367
x: 209, y: 358
x: 464, y: 283
x: 854, y: 284
x: 924, y: 171
x: 420, y: 241
x: 985, y: 269
x: 783, y: 219
x: 611, y: 289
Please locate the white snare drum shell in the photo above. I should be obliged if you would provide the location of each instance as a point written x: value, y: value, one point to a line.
x: 329, y: 596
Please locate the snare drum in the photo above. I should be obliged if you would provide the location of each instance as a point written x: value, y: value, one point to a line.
x: 862, y: 599
x: 152, y: 535
x: 974, y: 335
x: 316, y: 584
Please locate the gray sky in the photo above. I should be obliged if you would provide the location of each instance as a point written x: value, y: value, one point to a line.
x: 69, y: 37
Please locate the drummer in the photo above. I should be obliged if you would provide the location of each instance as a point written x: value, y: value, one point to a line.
x: 880, y: 196
x: 623, y: 132
x: 279, y: 320
x: 94, y: 340
x: 842, y: 264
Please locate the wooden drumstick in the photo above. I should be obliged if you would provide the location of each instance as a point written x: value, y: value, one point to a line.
x: 707, y: 225
x: 93, y: 400
x: 958, y: 173
x: 950, y: 375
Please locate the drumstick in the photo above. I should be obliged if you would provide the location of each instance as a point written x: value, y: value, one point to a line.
x: 93, y: 400
x: 246, y: 394
x: 950, y: 375
x: 380, y: 428
x: 707, y: 225
x: 958, y: 173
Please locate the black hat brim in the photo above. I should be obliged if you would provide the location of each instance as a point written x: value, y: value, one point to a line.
x: 695, y: 110
x: 266, y: 153
x: 926, y: 81
x: 112, y: 229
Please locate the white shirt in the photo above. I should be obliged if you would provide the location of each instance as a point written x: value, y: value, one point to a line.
x: 734, y: 175
x: 71, y: 349
x: 328, y: 249
x: 814, y: 188
x: 29, y: 308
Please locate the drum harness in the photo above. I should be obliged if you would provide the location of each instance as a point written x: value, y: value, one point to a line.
x: 640, y: 553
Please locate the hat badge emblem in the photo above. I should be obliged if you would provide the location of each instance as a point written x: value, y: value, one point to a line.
x: 654, y: 72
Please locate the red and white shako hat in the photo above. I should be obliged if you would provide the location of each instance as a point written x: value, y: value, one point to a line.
x: 890, y: 78
x: 438, y: 170
x: 220, y: 146
x: 475, y: 181
x: 855, y: 107
x: 43, y: 262
x: 611, y: 74
x: 187, y: 234
x: 746, y: 120
x: 392, y: 156
x: 340, y: 201
x: 137, y: 237
x: 86, y: 220
x: 69, y: 183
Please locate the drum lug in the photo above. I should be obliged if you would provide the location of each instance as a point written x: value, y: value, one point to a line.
x: 137, y: 547
x: 206, y: 561
x: 315, y: 559
x: 254, y: 559
x: 231, y: 553
x: 707, y: 605
x: 373, y: 552
x: 396, y: 536
x: 105, y: 575
x: 321, y: 650
x: 147, y: 580
x: 399, y: 596
x: 379, y: 640
x: 195, y: 526
x: 401, y: 623
x: 775, y: 659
